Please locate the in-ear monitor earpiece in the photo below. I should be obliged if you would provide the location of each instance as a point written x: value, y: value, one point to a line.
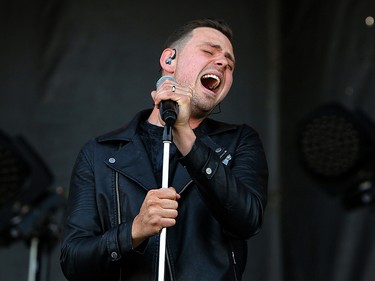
x: 169, y: 60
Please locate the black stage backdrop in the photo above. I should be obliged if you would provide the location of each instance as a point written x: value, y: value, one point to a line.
x: 328, y: 54
x: 70, y: 70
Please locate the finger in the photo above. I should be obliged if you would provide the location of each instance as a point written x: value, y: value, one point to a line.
x: 166, y: 193
x: 174, y: 194
x: 167, y: 222
x: 172, y: 91
x: 169, y: 214
x: 168, y: 204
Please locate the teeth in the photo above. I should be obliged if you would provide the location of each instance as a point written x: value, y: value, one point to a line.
x: 212, y: 76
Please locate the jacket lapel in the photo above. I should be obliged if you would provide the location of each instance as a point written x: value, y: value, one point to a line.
x: 181, y: 179
x: 132, y: 161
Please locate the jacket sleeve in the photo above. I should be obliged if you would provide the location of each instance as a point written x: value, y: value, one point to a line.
x: 87, y: 251
x: 235, y: 193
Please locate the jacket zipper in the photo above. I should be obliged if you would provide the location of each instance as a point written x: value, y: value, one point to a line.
x: 183, y: 189
x: 166, y: 250
x: 117, y: 188
x: 118, y: 199
x: 234, y: 266
x: 169, y: 265
x: 233, y: 255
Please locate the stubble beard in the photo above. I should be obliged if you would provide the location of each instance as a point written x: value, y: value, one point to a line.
x: 201, y: 107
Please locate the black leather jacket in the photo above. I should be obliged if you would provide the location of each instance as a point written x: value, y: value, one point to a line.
x: 223, y: 187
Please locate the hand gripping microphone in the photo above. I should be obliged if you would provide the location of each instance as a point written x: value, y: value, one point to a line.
x: 168, y: 108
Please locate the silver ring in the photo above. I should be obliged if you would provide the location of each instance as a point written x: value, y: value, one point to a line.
x: 173, y: 88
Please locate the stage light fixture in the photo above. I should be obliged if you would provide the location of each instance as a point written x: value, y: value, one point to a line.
x: 337, y: 149
x: 25, y: 197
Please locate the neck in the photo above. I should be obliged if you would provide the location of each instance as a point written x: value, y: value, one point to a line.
x: 155, y: 120
x: 194, y: 123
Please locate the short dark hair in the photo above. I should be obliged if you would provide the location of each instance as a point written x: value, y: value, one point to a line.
x: 185, y: 30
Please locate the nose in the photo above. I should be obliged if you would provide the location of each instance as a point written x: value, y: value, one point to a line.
x: 222, y: 61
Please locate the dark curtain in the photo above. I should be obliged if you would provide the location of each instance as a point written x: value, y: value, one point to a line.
x: 328, y: 56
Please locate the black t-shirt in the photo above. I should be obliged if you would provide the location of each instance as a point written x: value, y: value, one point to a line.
x: 152, y: 137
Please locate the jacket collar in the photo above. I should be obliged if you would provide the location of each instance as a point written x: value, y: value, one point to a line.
x: 131, y: 159
x: 127, y: 132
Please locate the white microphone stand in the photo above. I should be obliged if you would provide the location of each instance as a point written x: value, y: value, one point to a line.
x: 167, y: 139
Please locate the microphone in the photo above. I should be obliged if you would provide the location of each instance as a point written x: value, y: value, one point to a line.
x: 168, y: 108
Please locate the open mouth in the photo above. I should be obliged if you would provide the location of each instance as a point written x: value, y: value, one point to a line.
x: 210, y: 81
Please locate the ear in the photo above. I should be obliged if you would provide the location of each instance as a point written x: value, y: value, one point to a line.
x: 167, y: 60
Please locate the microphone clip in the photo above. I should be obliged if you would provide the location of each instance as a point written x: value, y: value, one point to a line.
x: 169, y: 111
x: 167, y: 134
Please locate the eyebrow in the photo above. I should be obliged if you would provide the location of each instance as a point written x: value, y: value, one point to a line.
x: 218, y: 47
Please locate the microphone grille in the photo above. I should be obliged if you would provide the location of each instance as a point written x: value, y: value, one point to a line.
x: 163, y: 78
